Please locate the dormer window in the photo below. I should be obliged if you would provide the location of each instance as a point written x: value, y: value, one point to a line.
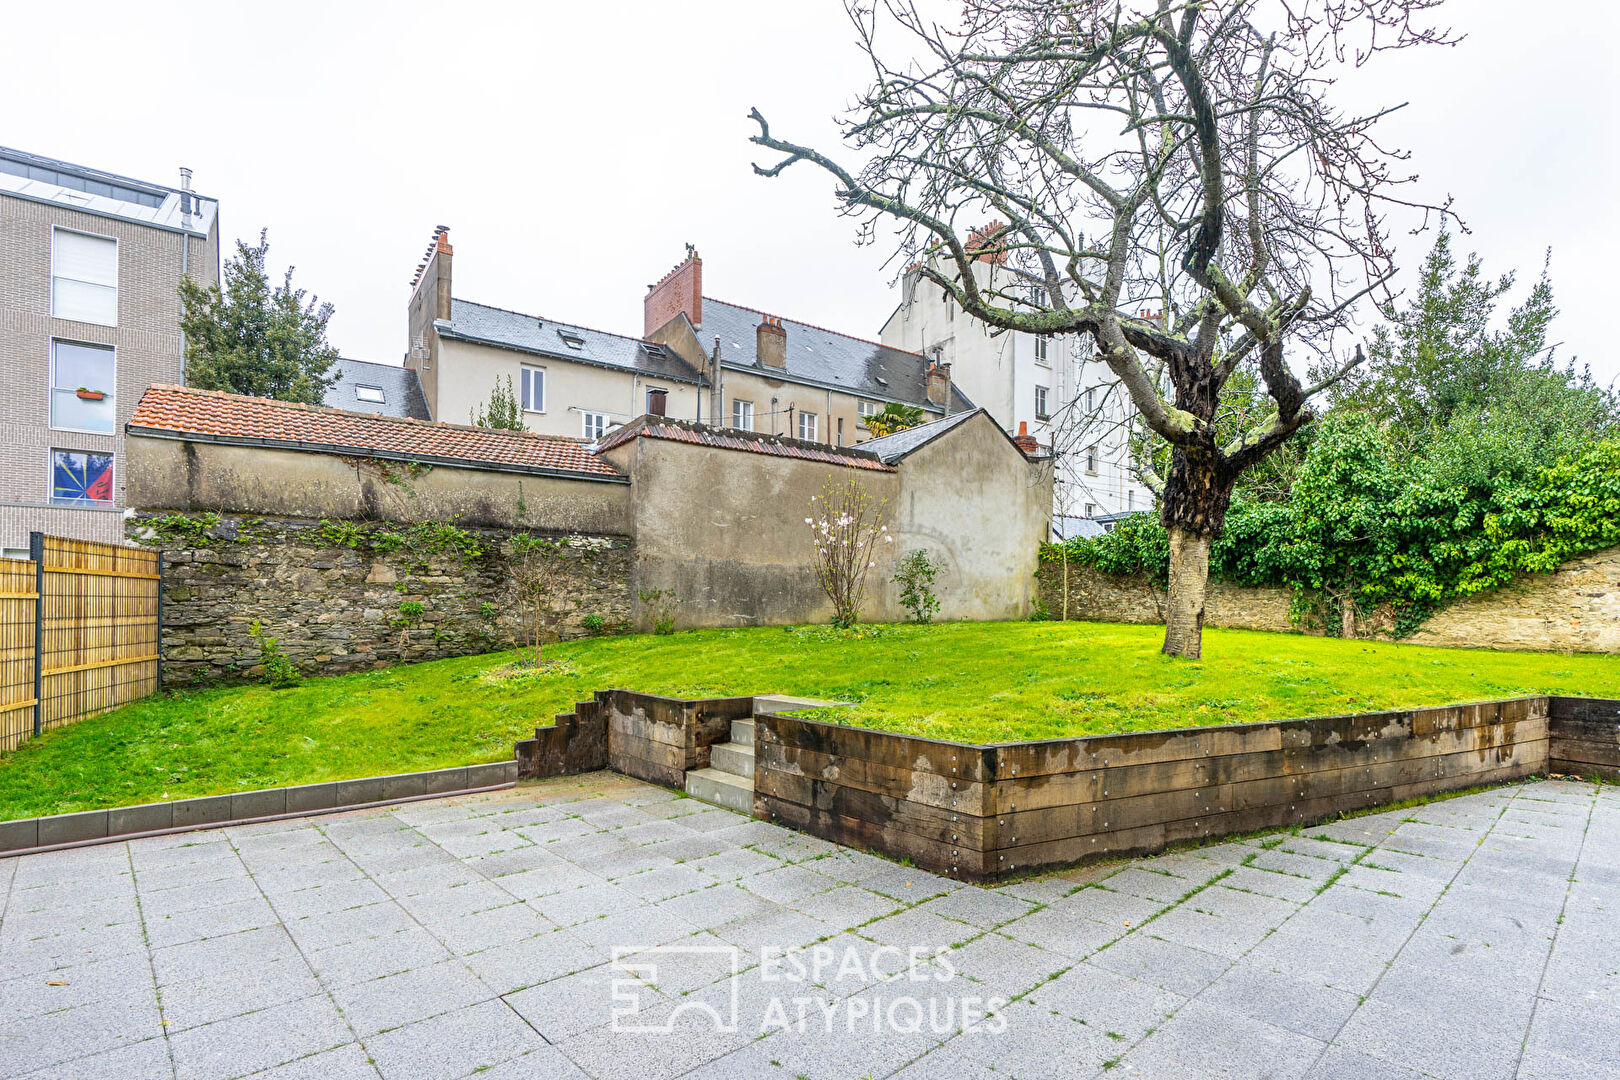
x: 571, y: 339
x: 373, y: 394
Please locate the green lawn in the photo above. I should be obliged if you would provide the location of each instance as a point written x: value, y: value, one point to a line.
x: 979, y: 682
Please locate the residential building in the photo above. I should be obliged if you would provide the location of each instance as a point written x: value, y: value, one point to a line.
x: 1055, y: 385
x: 384, y: 389
x: 697, y: 359
x: 89, y: 318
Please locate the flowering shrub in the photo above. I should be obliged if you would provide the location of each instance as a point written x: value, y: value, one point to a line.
x: 846, y: 528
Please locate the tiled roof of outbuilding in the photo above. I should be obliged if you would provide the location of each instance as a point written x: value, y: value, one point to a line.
x: 663, y: 427
x: 233, y: 418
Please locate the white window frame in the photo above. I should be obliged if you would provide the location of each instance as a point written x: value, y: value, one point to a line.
x: 1091, y: 510
x: 1091, y: 460
x: 742, y: 414
x: 808, y: 420
x: 867, y: 409
x: 1041, y: 350
x: 50, y: 478
x: 1043, y: 405
x: 53, y: 276
x: 523, y: 388
x: 380, y: 399
x: 602, y: 421
x: 51, y: 387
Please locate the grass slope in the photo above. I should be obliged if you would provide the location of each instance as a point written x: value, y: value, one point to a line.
x: 976, y: 682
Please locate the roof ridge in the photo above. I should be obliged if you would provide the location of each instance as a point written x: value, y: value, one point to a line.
x: 813, y: 326
x: 555, y: 322
x: 199, y: 391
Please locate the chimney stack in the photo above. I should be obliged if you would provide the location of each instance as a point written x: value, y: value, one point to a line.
x: 939, y: 384
x: 185, y: 197
x: 678, y: 292
x: 770, y: 342
x: 1024, y: 440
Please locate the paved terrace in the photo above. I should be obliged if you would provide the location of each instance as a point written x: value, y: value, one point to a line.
x: 1471, y: 938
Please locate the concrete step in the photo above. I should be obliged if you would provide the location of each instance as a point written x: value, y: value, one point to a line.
x: 733, y: 758
x: 742, y: 732
x: 721, y: 789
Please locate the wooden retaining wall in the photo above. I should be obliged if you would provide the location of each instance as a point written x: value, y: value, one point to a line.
x: 980, y: 813
x: 652, y: 738
x: 1585, y: 737
x: 79, y: 632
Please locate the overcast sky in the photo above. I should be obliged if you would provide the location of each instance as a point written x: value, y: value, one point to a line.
x: 574, y: 148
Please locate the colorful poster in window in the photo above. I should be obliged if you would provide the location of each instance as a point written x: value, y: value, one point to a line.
x: 81, y: 478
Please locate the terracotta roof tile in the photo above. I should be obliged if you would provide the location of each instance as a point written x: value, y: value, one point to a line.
x: 732, y: 439
x: 232, y: 417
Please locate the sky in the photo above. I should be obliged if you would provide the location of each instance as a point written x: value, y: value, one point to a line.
x: 574, y: 149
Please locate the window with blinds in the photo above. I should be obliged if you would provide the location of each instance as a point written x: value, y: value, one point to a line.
x: 84, y: 277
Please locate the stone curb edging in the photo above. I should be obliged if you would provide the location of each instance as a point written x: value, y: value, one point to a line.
x: 30, y: 835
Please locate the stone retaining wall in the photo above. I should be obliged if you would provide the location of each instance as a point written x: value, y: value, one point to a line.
x: 335, y: 608
x: 1576, y: 608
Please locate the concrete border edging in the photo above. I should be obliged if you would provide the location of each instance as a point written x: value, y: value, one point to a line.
x: 29, y: 835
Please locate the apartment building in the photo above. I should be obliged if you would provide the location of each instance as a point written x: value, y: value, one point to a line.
x: 1053, y: 385
x: 89, y: 318
x: 697, y: 358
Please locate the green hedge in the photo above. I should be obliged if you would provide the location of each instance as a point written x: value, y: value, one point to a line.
x: 1361, y: 526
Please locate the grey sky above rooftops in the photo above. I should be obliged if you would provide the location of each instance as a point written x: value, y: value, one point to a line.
x: 570, y: 184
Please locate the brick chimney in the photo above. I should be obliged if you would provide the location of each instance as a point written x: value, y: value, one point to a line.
x: 1025, y: 441
x: 987, y: 241
x: 678, y: 292
x: 939, y: 385
x: 430, y: 302
x: 770, y: 342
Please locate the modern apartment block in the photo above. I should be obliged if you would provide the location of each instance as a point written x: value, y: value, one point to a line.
x: 1054, y: 385
x: 89, y: 318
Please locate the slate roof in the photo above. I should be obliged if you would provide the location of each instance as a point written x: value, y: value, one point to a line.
x: 212, y: 416
x: 891, y: 448
x: 818, y: 357
x: 686, y: 431
x: 402, y: 390
x: 545, y: 337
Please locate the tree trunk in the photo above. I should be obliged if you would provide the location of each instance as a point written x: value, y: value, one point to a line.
x: 1189, y: 581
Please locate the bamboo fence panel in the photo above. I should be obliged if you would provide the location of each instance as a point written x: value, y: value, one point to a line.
x: 17, y: 600
x: 98, y: 628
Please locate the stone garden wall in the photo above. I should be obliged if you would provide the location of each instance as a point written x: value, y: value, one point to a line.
x: 336, y: 603
x: 1576, y: 608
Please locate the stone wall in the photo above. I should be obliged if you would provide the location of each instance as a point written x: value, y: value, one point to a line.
x: 1576, y: 608
x: 337, y: 608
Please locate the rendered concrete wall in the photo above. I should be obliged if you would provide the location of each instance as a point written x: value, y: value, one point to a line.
x: 170, y: 474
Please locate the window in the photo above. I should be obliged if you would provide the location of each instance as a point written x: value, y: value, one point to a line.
x: 1041, y: 344
x: 1041, y: 412
x: 807, y: 426
x: 1130, y: 500
x: 742, y: 414
x: 571, y: 339
x: 1091, y: 400
x: 84, y: 277
x: 81, y: 479
x: 865, y: 410
x: 840, y: 431
x: 534, y: 389
x: 950, y: 311
x: 373, y: 394
x: 657, y: 401
x: 1091, y: 510
x: 597, y: 424
x: 83, y: 380
x: 1091, y: 460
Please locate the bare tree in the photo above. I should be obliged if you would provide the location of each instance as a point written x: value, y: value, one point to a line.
x: 1174, y: 156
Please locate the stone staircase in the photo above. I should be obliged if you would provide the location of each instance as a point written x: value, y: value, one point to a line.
x: 729, y: 779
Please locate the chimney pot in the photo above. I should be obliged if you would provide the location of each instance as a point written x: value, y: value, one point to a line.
x: 1024, y: 440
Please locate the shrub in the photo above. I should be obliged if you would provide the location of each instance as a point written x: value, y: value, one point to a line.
x: 659, y: 604
x: 593, y: 624
x: 916, y: 575
x: 279, y: 671
x: 845, y: 530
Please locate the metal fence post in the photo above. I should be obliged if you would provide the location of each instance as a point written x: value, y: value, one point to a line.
x: 159, y: 648
x: 36, y: 551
